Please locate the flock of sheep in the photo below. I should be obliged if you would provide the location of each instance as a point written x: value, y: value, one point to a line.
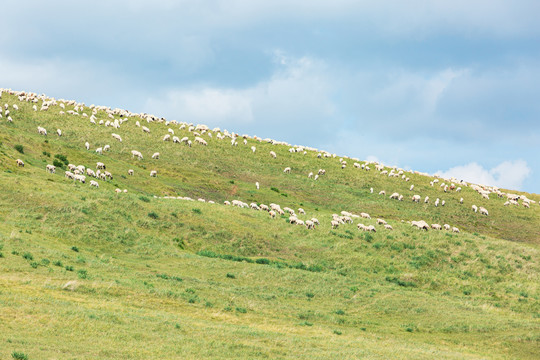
x: 117, y: 118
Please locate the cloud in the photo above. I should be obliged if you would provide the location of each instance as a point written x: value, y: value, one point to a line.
x: 294, y: 98
x: 508, y: 174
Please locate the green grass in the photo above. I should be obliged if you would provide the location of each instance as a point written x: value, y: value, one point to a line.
x: 148, y: 277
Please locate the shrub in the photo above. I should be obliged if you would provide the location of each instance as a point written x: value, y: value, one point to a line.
x: 241, y: 310
x: 340, y: 312
x: 69, y: 268
x: 310, y: 295
x: 74, y: 248
x: 62, y: 158
x: 263, y: 261
x: 274, y: 189
x: 83, y: 274
x: 19, y: 355
x: 45, y: 262
x: 19, y: 148
x: 58, y: 263
x: 231, y: 276
x: 231, y: 181
x: 58, y: 163
x: 153, y: 215
x: 337, y: 332
x: 28, y: 256
x: 196, y: 211
x: 34, y: 264
x: 47, y: 153
x: 144, y: 198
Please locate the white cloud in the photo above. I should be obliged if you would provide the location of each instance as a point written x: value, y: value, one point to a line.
x: 296, y: 95
x: 508, y: 174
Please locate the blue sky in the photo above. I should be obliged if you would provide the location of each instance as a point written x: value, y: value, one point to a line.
x: 438, y: 86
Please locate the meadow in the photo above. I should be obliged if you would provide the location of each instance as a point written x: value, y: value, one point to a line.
x: 87, y: 273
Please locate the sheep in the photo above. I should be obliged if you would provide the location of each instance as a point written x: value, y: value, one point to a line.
x: 394, y: 196
x: 382, y: 192
x: 153, y: 173
x: 59, y: 132
x: 420, y: 224
x: 138, y: 124
x: 443, y: 202
x: 69, y: 175
x: 371, y: 190
x: 388, y: 227
x: 361, y: 227
x: 226, y: 202
x: 107, y: 148
x: 455, y: 230
x: 426, y: 200
x: 155, y: 156
x: 87, y: 145
x: 273, y: 154
x: 400, y: 198
x: 316, y: 177
x: 411, y: 188
x: 365, y: 216
x: 287, y: 170
x: 461, y: 201
x: 200, y: 140
x: 167, y: 137
x: 475, y: 208
x: 293, y: 219
x: 94, y: 183
x: 42, y: 131
x: 310, y: 224
x: 272, y: 214
x: 171, y: 131
x: 99, y: 150
x: 334, y: 224
x: 257, y: 185
x: 254, y: 206
x: 310, y: 175
x: 100, y: 165
x: 117, y: 190
x: 436, y: 226
x: 416, y: 198
x: 301, y: 211
x: 137, y: 154
x: 51, y: 169
x: 483, y: 211
x: 90, y: 172
x: 20, y: 162
x: 315, y: 221
x: 253, y: 149
x: 117, y: 137
x: 446, y: 227
x: 437, y: 202
x: 525, y: 204
x: 131, y: 172
x: 108, y: 175
x: 321, y: 172
x: 381, y: 222
x: 80, y: 178
x: 146, y: 130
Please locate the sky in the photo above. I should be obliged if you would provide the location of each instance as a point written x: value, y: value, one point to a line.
x: 447, y: 87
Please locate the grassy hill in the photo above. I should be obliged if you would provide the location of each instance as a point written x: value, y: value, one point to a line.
x: 88, y: 273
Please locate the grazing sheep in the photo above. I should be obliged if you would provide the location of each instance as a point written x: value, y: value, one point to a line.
x: 400, y: 198
x: 153, y: 173
x: 301, y: 211
x: 334, y: 224
x: 253, y: 148
x: 420, y: 224
x: 310, y: 175
x: 107, y: 148
x: 69, y: 175
x: 117, y: 190
x: 293, y: 219
x: 315, y: 221
x: 365, y: 215
x: 461, y: 201
x: 436, y: 226
x: 20, y: 163
x: 411, y: 188
x: 272, y: 214
x: 475, y: 208
x: 137, y: 154
x: 426, y: 200
x: 416, y: 198
x: 455, y: 230
x: 59, y: 132
x: 287, y: 170
x: 257, y: 185
x: 437, y: 202
x: 310, y: 224
x: 41, y: 130
x: 200, y: 140
x: 382, y: 192
x: 87, y: 145
x: 80, y: 178
x: 167, y: 137
x: 371, y: 228
x: 100, y: 165
x: 371, y: 190
x: 51, y: 169
x: 155, y: 156
x: 388, y: 227
x: 146, y: 130
x: 381, y: 222
x: 394, y: 196
x: 94, y: 183
x: 273, y: 154
x: 484, y: 211
x: 117, y: 137
x: 99, y: 150
x: 131, y: 172
x: 446, y: 227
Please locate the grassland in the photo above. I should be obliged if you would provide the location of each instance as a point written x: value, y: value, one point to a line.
x: 86, y: 273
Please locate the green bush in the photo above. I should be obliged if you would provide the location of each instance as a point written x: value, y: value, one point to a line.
x: 196, y: 211
x: 28, y: 256
x: 74, y: 248
x: 231, y: 276
x: 58, y: 163
x: 153, y: 215
x: 144, y: 198
x: 62, y: 158
x: 19, y: 356
x: 19, y: 148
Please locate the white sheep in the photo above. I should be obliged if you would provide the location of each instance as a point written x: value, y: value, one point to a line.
x: 131, y: 172
x: 484, y: 211
x: 137, y: 154
x: 257, y: 185
x: 155, y: 155
x: 153, y: 173
x: 167, y: 137
x: 87, y: 145
x: 365, y: 215
x: 59, y: 132
x: 382, y: 192
x: 146, y: 130
x: 416, y: 198
x: 94, y: 183
x: 273, y: 154
x: 394, y: 196
x: 100, y: 165
x: 20, y: 163
x: 117, y: 137
x: 475, y: 208
x: 99, y: 150
x: 301, y: 211
x: 107, y: 148
x: 51, y: 169
x: 253, y: 149
x: 272, y: 214
x: 200, y: 140
x: 287, y: 170
x: 426, y: 200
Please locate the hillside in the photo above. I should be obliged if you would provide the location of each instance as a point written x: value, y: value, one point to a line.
x: 91, y: 273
